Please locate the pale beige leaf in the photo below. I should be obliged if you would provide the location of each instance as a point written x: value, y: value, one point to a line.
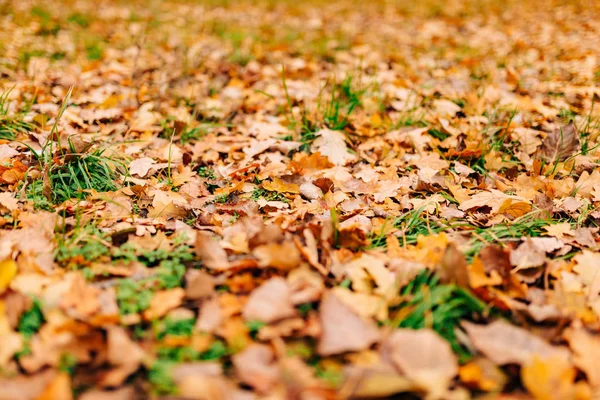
x: 343, y: 329
x: 507, y: 344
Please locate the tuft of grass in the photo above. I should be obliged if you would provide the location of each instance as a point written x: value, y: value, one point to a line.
x: 527, y: 225
x: 134, y: 296
x: 344, y: 98
x: 31, y: 320
x: 268, y: 195
x: 83, y: 172
x: 35, y: 193
x: 411, y: 225
x: 80, y: 19
x: 12, y: 124
x: 159, y: 373
x: 428, y: 303
x: 207, y: 172
x: 94, y: 51
x: 159, y: 376
x: 48, y: 25
x: 175, y: 327
x: 81, y: 245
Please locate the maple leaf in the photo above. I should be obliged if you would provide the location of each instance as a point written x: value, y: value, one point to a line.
x: 332, y: 144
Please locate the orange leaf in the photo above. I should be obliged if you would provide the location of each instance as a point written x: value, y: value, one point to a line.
x: 514, y: 209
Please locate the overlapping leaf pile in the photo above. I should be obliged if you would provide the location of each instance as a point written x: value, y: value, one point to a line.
x: 268, y: 200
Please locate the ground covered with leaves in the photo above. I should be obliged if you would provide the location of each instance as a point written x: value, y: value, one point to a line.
x: 269, y: 200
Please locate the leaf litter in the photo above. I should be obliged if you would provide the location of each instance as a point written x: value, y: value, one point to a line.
x: 249, y: 200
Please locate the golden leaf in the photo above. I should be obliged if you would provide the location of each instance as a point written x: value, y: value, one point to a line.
x: 550, y: 378
x: 514, y: 209
x: 478, y: 277
x: 279, y: 186
x: 8, y: 270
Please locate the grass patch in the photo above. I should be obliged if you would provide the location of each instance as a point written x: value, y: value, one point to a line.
x: 81, y: 173
x: 428, y: 303
x: 31, y: 320
x: 175, y: 327
x: 159, y: 373
x: 12, y: 124
x: 259, y: 193
x: 411, y: 224
x: 333, y: 113
x: 528, y: 225
x: 81, y: 245
x: 134, y: 296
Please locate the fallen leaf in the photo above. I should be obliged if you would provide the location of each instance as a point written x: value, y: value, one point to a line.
x: 424, y: 357
x: 270, y: 302
x: 8, y: 270
x: 343, y: 330
x: 548, y: 379
x: 483, y: 375
x: 560, y: 144
x: 332, y: 144
x: 507, y: 344
x: 9, y: 201
x: 279, y: 186
x: 141, y: 166
x: 163, y: 301
x: 514, y: 209
x: 256, y: 367
x: 586, y: 352
x: 58, y: 389
x: 493, y: 199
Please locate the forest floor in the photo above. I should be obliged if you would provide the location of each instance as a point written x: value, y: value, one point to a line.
x: 278, y: 200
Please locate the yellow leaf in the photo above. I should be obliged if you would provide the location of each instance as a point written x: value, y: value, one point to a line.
x: 279, y: 186
x: 8, y: 270
x: 58, y: 389
x: 550, y: 378
x: 478, y: 277
x: 514, y: 209
x: 482, y: 374
x: 376, y: 120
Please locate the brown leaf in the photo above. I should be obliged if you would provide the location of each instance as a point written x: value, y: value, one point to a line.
x: 343, y: 330
x: 586, y: 349
x: 270, y: 302
x: 453, y: 267
x: 560, y: 144
x: 422, y: 356
x: 284, y: 256
x: 378, y: 381
x: 163, y: 302
x: 198, y: 285
x: 507, y: 344
x: 255, y: 367
x: 26, y: 387
x: 210, y: 251
x: 124, y: 354
x: 496, y: 258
